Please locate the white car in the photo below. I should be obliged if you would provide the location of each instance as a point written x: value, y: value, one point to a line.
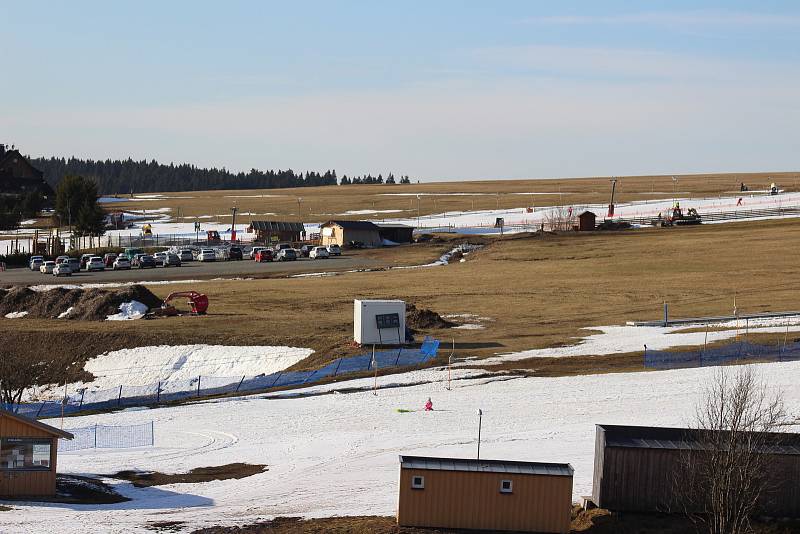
x: 186, y: 255
x: 47, y: 267
x: 318, y: 253
x: 36, y: 262
x: 62, y: 269
x: 161, y: 258
x: 334, y: 250
x: 207, y: 255
x: 95, y: 263
x: 122, y: 263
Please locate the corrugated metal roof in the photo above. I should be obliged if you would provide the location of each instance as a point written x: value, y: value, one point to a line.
x: 278, y: 226
x: 485, y: 466
x: 394, y: 225
x: 354, y: 225
x: 649, y: 437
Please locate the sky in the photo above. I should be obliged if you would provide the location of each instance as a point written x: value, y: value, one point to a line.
x: 444, y: 90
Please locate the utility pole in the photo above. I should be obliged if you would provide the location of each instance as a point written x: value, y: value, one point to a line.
x: 480, y: 418
x: 233, y: 223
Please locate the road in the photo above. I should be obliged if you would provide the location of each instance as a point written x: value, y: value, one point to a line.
x: 195, y: 271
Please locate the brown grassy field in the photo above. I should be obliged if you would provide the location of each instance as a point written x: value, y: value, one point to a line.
x: 323, y: 203
x: 536, y: 290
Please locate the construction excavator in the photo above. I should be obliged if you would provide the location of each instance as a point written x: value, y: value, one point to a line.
x: 198, y: 304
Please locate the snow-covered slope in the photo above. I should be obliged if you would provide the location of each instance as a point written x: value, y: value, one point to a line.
x: 337, y: 454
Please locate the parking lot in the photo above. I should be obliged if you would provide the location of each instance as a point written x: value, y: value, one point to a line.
x: 195, y: 271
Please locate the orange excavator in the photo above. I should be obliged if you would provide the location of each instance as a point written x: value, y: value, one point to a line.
x: 198, y: 303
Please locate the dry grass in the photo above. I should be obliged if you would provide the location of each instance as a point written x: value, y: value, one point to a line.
x: 323, y: 203
x: 538, y: 291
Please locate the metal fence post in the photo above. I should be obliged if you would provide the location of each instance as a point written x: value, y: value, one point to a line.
x: 158, y: 393
x: 240, y: 383
x: 95, y: 435
x: 198, y: 385
x: 119, y: 398
x: 337, y: 366
x: 152, y: 434
x: 83, y: 392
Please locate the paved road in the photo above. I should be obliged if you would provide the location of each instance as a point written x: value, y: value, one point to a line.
x: 194, y: 271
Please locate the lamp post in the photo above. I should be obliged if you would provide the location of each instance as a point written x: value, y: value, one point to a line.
x: 480, y: 418
x: 417, y: 211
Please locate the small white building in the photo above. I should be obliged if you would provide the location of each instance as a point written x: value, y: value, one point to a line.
x: 379, y: 322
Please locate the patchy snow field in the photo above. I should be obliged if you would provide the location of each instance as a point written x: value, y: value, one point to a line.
x: 149, y: 365
x: 337, y: 454
x: 623, y: 339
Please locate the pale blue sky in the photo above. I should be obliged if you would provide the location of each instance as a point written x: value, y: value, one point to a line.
x: 442, y: 90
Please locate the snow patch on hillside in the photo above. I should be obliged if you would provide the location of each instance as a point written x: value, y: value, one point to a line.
x: 143, y: 366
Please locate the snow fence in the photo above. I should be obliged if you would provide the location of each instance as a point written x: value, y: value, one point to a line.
x: 108, y: 437
x: 202, y: 386
x: 735, y: 352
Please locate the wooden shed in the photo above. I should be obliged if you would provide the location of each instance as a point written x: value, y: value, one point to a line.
x: 275, y: 231
x: 343, y: 232
x: 587, y: 221
x: 491, y: 495
x: 635, y: 466
x: 396, y: 233
x: 28, y: 451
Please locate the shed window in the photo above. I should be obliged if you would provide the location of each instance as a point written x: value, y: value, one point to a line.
x: 417, y: 482
x: 506, y: 486
x: 24, y: 453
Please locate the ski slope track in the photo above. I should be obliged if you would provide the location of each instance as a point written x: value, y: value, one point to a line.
x: 336, y: 454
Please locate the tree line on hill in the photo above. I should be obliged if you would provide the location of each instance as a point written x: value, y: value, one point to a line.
x: 129, y: 176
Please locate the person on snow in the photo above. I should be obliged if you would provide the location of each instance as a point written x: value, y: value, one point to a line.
x: 429, y: 405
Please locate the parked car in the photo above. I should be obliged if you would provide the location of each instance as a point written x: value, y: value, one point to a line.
x: 282, y: 246
x: 286, y: 254
x: 355, y: 244
x: 144, y: 261
x: 132, y: 252
x: 108, y: 259
x: 122, y: 263
x: 61, y: 259
x: 95, y: 263
x: 334, y: 250
x: 319, y: 253
x: 74, y: 264
x: 305, y: 250
x: 172, y: 260
x: 161, y: 259
x: 36, y: 262
x: 264, y: 255
x: 186, y: 255
x: 84, y: 260
x: 47, y: 267
x: 235, y: 253
x: 254, y: 251
x: 62, y: 269
x: 207, y: 254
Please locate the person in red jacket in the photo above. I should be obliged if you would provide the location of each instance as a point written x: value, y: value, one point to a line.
x: 429, y: 405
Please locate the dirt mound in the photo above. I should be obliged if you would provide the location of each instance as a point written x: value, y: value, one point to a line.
x: 85, y: 304
x: 421, y: 318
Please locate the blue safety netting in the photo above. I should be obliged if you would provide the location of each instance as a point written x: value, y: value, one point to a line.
x: 200, y: 386
x: 734, y: 352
